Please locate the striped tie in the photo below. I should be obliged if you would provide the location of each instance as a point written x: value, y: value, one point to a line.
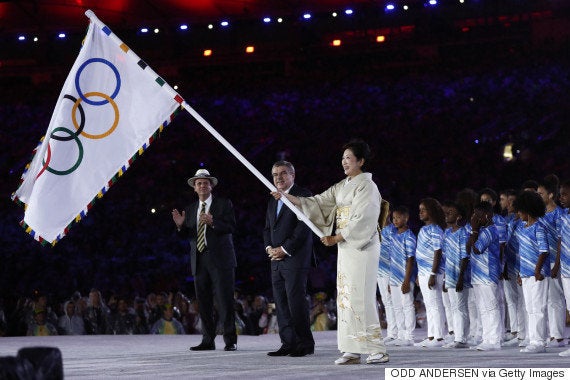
x: 201, y: 243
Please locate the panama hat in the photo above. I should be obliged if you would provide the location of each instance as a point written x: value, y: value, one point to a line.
x: 202, y: 173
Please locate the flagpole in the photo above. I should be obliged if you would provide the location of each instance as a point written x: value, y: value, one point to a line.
x: 215, y: 133
x: 251, y: 168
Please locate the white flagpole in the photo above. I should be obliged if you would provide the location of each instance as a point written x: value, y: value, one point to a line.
x: 219, y: 137
x: 251, y: 168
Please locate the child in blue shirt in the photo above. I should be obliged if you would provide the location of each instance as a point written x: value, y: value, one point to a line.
x: 483, y: 247
x: 513, y: 292
x: 556, y: 308
x: 403, y: 273
x: 534, y: 267
x: 430, y: 269
x: 457, y: 273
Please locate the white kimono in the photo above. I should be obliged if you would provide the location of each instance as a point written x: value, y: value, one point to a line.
x: 355, y: 205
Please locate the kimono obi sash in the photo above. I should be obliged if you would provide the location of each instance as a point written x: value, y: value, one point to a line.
x: 342, y: 214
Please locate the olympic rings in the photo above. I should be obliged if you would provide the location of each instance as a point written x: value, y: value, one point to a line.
x: 78, y: 87
x: 107, y: 99
x: 80, y: 126
x: 79, y: 158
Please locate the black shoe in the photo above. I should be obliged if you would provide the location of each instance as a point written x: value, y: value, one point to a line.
x: 230, y: 347
x: 203, y: 347
x: 280, y: 352
x: 302, y: 351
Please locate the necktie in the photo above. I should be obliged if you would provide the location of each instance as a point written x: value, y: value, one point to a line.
x: 279, y: 205
x: 201, y: 242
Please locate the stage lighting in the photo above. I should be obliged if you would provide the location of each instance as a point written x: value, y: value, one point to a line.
x: 380, y: 39
x: 224, y: 23
x: 280, y: 20
x: 207, y: 53
x: 21, y: 38
x: 336, y: 42
x: 144, y: 30
x: 183, y: 27
x: 210, y: 26
x: 406, y: 7
x: 152, y: 210
x: 349, y: 12
x: 432, y: 2
x: 156, y: 31
x: 61, y: 35
x: 36, y: 39
x: 508, y: 154
x: 267, y: 20
x: 307, y: 16
x: 334, y: 14
x: 390, y: 7
x: 249, y: 49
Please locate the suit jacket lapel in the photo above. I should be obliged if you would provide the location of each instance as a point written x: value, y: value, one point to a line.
x: 292, y: 191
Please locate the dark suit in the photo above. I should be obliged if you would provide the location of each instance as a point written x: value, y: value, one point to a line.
x: 289, y: 276
x: 214, y: 269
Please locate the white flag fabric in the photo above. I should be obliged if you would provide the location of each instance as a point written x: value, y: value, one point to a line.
x: 110, y: 109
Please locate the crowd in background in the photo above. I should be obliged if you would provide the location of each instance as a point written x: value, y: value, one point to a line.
x: 434, y: 130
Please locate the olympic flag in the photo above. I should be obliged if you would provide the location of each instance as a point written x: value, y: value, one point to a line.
x: 110, y: 109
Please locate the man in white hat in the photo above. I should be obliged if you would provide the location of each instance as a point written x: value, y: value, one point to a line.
x: 209, y: 224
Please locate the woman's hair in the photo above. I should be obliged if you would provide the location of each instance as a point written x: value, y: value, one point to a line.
x: 434, y: 211
x: 360, y: 149
x: 530, y: 203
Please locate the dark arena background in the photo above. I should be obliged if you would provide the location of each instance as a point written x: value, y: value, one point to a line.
x: 450, y: 94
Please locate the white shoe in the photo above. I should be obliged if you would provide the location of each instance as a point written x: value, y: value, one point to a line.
x: 389, y: 339
x: 564, y: 353
x: 348, y: 358
x: 449, y: 338
x: 523, y: 342
x: 533, y: 349
x: 434, y: 343
x: 422, y: 343
x: 488, y: 347
x: 554, y: 343
x: 511, y: 343
x: 404, y: 342
x: 377, y: 358
x: 455, y: 345
x: 508, y: 336
x: 474, y: 340
x: 390, y: 342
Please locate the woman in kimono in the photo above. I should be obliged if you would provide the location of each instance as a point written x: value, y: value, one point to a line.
x: 354, y: 203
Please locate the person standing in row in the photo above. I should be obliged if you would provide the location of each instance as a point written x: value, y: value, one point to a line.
x: 354, y: 203
x: 209, y: 224
x: 431, y: 269
x: 289, y: 245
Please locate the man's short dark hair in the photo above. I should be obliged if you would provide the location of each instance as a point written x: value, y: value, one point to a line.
x: 285, y: 163
x: 401, y: 210
x: 530, y: 184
